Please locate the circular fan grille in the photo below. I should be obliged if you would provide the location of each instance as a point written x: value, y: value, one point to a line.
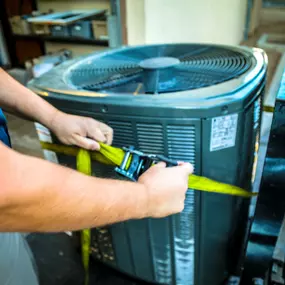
x: 159, y: 69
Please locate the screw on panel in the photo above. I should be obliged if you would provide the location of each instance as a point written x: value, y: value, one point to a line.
x: 225, y: 110
x: 104, y: 109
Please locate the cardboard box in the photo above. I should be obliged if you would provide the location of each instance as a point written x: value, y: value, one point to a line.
x: 20, y: 26
x: 255, y: 15
x: 100, y: 29
x: 40, y: 29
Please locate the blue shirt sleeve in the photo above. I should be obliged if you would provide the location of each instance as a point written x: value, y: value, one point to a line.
x: 4, y: 136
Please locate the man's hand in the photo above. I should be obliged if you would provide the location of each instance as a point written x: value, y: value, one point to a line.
x: 166, y: 188
x: 80, y: 131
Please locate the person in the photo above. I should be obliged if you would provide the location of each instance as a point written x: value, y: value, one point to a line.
x: 39, y: 196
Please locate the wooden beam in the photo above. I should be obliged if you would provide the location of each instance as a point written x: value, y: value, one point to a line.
x: 255, y: 14
x: 123, y: 12
x: 272, y: 15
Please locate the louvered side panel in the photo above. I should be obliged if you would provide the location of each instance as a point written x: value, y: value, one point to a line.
x: 181, y: 143
x: 181, y: 140
x: 150, y: 138
x: 162, y: 249
x: 123, y: 133
x: 123, y: 256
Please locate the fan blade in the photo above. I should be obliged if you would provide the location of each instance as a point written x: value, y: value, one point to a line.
x: 159, y: 68
x: 126, y: 57
x: 109, y: 64
x: 198, y: 51
x: 209, y: 71
x: 108, y: 81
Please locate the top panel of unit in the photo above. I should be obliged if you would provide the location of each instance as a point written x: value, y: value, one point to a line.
x: 158, y: 69
x: 186, y: 76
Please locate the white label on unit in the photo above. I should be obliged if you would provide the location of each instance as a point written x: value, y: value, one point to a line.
x: 223, y: 133
x: 45, y: 136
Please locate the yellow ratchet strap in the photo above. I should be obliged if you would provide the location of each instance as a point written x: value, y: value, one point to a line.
x: 83, y: 161
x: 114, y: 156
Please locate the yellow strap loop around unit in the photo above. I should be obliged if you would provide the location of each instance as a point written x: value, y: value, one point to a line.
x: 113, y: 156
x: 83, y: 161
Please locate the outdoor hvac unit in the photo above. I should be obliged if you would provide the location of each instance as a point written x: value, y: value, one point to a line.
x: 190, y: 102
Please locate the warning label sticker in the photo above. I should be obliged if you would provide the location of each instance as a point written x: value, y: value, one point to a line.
x: 223, y: 133
x: 45, y: 136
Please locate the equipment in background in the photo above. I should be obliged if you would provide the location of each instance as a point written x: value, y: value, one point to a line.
x: 86, y: 24
x: 189, y: 102
x: 265, y: 253
x: 38, y: 66
x: 273, y: 3
x: 75, y: 23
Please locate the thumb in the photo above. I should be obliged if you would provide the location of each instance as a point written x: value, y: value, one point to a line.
x: 86, y: 143
x: 187, y: 167
x: 160, y: 165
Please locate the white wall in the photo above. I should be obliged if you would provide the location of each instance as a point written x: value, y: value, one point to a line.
x: 167, y: 21
x: 135, y: 21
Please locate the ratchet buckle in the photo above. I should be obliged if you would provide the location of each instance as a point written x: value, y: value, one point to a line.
x: 135, y: 163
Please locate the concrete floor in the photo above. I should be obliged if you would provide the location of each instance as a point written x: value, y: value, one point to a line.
x: 23, y: 133
x: 24, y: 136
x: 59, y: 263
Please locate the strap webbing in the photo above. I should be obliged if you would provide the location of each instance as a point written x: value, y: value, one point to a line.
x: 83, y: 161
x: 114, y: 156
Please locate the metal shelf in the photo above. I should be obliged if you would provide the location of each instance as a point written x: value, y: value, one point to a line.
x: 74, y: 40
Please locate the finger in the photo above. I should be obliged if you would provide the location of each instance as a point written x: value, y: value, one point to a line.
x: 86, y: 143
x: 107, y: 131
x: 187, y: 167
x: 109, y: 135
x: 109, y: 139
x: 96, y: 134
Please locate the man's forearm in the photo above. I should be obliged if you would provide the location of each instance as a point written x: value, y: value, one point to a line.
x: 36, y: 195
x: 19, y: 99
